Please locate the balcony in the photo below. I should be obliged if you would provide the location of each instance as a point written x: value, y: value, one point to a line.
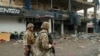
x: 37, y: 13
x: 12, y: 3
x: 81, y: 4
x: 4, y: 3
x: 17, y: 3
x: 45, y: 14
x: 78, y: 4
x: 64, y: 4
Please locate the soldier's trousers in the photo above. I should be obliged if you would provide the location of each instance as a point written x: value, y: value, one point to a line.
x: 44, y: 54
x: 30, y: 52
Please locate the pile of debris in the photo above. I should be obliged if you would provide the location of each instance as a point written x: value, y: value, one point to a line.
x: 85, y: 36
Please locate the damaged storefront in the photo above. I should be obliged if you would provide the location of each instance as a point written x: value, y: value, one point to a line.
x: 11, y: 20
x: 37, y: 17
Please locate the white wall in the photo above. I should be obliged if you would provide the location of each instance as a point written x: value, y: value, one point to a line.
x: 11, y: 24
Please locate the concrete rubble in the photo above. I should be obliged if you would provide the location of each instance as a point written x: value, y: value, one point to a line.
x: 85, y: 36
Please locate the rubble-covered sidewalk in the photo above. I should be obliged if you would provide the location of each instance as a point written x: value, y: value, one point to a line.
x: 63, y: 48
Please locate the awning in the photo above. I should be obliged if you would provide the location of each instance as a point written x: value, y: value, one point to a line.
x: 45, y: 14
x: 38, y: 14
x: 59, y: 15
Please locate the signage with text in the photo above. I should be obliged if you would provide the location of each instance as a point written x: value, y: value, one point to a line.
x: 9, y: 10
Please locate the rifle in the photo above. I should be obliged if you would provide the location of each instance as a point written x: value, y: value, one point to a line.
x: 51, y: 42
x: 53, y: 50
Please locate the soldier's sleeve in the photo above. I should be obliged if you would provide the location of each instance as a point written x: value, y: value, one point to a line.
x: 33, y: 39
x: 25, y: 39
x: 45, y: 41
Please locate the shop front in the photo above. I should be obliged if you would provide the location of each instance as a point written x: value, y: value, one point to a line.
x: 55, y: 19
x: 37, y: 17
x: 11, y: 20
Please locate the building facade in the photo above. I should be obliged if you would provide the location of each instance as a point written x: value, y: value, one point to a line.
x: 11, y: 17
x: 37, y: 11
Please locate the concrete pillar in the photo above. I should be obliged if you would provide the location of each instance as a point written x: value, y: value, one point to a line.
x: 85, y: 13
x: 62, y: 28
x: 53, y: 25
x: 75, y: 29
x: 51, y: 4
x: 95, y: 11
x: 50, y: 26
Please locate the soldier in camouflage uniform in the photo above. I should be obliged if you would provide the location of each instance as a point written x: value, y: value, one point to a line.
x: 28, y: 40
x: 42, y: 41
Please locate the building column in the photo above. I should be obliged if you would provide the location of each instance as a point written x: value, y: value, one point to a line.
x: 85, y: 13
x: 50, y: 26
x: 95, y: 11
x: 62, y: 28
x: 53, y: 25
x: 75, y: 30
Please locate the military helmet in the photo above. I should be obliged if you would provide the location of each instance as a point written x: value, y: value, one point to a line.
x: 45, y: 25
x: 30, y: 25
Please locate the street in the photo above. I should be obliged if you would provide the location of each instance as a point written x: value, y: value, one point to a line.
x: 65, y: 48
x: 73, y: 24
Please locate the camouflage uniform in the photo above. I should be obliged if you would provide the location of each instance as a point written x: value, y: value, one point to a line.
x: 28, y: 41
x: 42, y: 41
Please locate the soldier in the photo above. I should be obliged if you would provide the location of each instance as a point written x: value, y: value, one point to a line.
x: 42, y: 41
x: 28, y: 40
